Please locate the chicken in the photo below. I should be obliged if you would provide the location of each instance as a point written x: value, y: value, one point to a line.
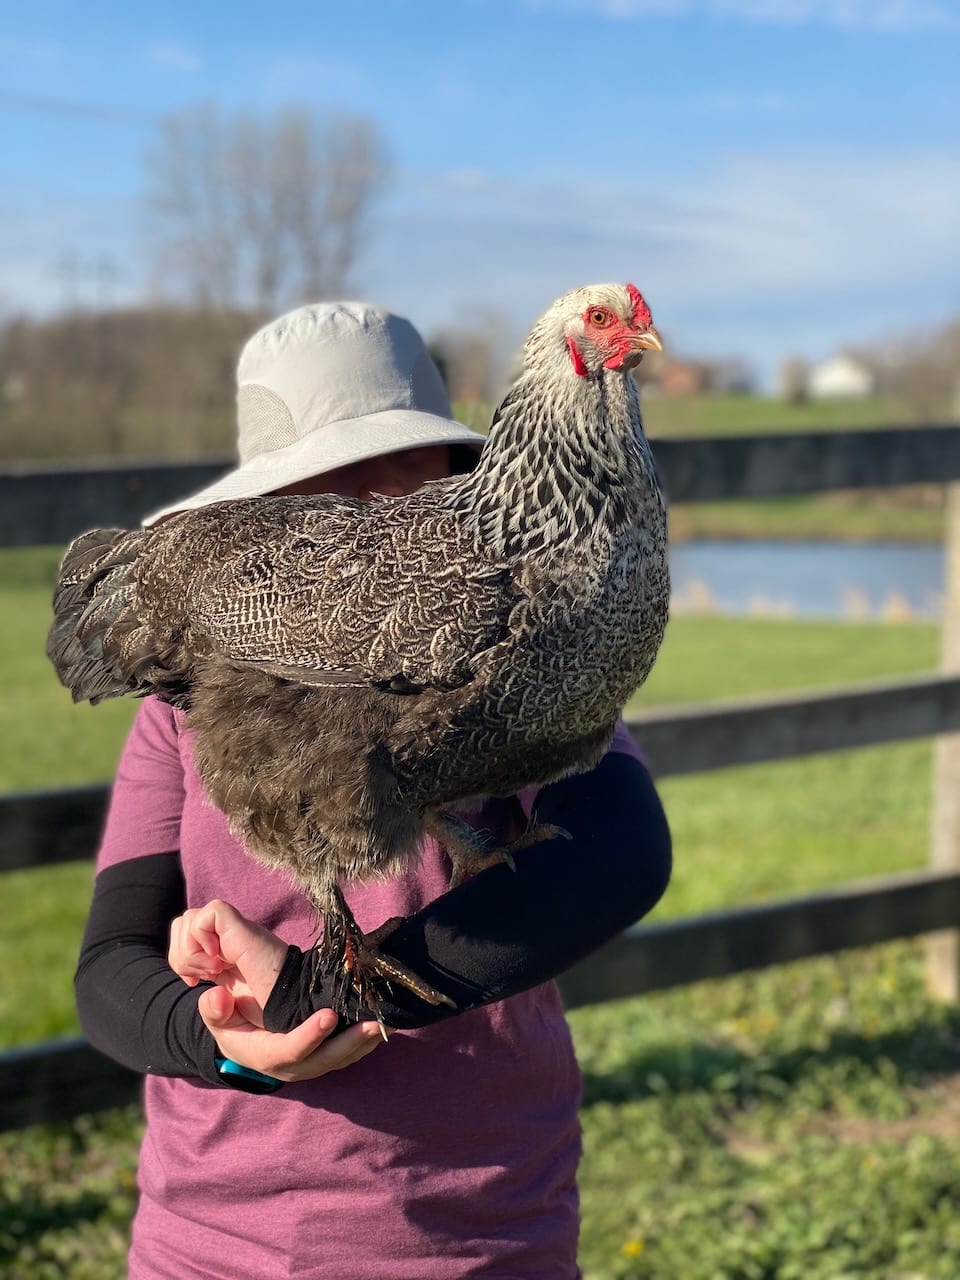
x: 355, y: 673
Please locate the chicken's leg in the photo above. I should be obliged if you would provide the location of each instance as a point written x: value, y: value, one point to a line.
x: 356, y: 961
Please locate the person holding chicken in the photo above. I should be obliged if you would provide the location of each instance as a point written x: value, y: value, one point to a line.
x: 284, y: 1137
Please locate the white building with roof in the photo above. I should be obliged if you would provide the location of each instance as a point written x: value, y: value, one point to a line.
x: 842, y: 376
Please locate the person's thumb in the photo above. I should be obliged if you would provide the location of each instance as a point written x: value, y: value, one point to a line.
x: 218, y: 1009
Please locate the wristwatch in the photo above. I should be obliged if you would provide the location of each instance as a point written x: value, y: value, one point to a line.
x: 245, y: 1078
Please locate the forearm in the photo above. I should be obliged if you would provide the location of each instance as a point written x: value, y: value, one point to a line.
x: 503, y: 932
x: 132, y: 1006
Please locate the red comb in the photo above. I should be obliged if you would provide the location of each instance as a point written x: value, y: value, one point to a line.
x: 641, y: 312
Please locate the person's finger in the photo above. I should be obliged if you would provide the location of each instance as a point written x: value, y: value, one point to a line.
x: 207, y: 940
x: 368, y: 1041
x: 304, y: 1040
x: 181, y: 944
x: 209, y: 923
x: 178, y: 953
x: 247, y: 1043
x: 189, y: 960
x: 218, y: 1010
x: 300, y: 1054
x: 349, y: 1047
x: 226, y: 937
x: 178, y: 936
x: 194, y: 974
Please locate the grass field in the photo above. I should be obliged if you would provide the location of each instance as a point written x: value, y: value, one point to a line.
x: 713, y: 414
x: 901, y: 515
x: 798, y: 1123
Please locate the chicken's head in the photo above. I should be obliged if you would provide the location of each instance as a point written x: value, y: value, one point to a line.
x: 602, y: 326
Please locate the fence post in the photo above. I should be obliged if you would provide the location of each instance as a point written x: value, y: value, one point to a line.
x: 943, y: 949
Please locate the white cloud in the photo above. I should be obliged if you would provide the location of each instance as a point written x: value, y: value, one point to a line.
x: 879, y: 15
x: 312, y: 75
x: 466, y: 179
x: 892, y: 15
x: 173, y: 57
x: 84, y: 252
x: 758, y: 255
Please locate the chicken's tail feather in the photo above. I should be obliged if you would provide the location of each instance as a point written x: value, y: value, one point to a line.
x: 98, y: 645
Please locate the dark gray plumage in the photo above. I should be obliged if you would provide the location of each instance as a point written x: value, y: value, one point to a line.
x: 354, y: 672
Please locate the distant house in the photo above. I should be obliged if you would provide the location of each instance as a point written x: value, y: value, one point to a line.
x: 842, y: 376
x: 672, y: 376
x: 683, y: 378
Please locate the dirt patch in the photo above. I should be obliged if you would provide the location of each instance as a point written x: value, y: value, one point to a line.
x: 937, y: 1115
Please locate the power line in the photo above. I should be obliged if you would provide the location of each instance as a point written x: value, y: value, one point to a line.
x: 66, y: 107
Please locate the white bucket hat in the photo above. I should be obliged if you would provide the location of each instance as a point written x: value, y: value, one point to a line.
x: 322, y: 387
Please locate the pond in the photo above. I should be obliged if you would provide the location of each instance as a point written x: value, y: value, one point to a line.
x: 888, y: 580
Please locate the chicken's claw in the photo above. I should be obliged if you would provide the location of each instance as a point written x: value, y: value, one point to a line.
x: 470, y: 853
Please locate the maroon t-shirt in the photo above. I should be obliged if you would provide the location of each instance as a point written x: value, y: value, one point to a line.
x: 449, y: 1152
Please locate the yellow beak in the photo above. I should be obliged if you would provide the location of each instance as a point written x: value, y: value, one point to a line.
x: 648, y: 341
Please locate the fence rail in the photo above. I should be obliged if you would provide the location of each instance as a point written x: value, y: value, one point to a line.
x: 51, y: 504
x: 62, y: 1079
x: 47, y: 827
x: 58, y: 1080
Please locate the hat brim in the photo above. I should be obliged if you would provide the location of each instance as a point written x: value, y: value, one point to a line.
x: 337, y: 444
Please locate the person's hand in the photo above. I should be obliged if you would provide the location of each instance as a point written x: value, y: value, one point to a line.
x: 300, y: 1054
x: 216, y: 943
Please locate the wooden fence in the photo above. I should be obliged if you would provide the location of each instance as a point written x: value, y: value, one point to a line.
x: 58, y: 1080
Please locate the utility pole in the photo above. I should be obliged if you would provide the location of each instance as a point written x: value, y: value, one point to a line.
x: 67, y: 271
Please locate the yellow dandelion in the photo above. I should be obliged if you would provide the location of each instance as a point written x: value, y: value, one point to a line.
x: 633, y: 1248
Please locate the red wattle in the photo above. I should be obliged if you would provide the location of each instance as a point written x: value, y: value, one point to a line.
x: 577, y: 359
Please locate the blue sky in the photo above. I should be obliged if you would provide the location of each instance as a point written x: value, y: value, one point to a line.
x: 778, y: 176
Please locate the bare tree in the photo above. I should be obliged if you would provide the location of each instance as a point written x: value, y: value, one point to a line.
x: 256, y: 212
x: 925, y: 372
x: 468, y: 361
x: 793, y: 380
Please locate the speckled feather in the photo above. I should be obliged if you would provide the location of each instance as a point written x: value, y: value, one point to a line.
x: 350, y: 668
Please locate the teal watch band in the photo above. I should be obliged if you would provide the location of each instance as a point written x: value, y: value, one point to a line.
x: 245, y: 1078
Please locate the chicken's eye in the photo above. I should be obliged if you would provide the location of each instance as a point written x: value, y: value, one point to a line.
x: 599, y: 317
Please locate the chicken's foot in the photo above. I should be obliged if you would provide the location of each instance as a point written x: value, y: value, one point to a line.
x: 471, y: 853
x: 358, y: 963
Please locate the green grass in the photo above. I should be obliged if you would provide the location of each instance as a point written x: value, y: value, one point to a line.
x: 714, y: 657
x: 914, y: 515
x: 45, y: 741
x: 712, y: 414
x: 720, y: 415
x: 796, y: 1123
x: 908, y: 516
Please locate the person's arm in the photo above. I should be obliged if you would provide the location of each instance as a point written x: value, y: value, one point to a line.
x: 504, y: 931
x: 135, y: 1009
x: 131, y: 1004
